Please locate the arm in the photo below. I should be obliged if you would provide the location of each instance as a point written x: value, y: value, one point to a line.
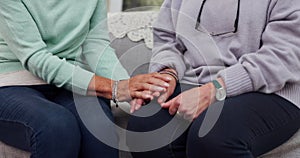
x: 277, y: 62
x: 103, y: 61
x: 21, y: 34
x: 96, y: 48
x: 168, y: 50
x: 23, y: 38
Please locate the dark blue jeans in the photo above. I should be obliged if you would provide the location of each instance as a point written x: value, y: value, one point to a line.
x: 249, y: 125
x: 44, y: 120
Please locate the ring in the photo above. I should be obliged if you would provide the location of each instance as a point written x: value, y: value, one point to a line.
x: 178, y: 113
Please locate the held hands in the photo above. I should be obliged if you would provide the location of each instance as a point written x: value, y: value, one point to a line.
x: 137, y: 103
x: 144, y: 86
x: 141, y: 86
x: 189, y: 104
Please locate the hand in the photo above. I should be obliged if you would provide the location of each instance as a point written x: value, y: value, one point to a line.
x: 136, y: 104
x: 191, y: 103
x: 143, y: 86
x: 170, y: 90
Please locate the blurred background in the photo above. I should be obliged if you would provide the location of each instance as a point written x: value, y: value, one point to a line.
x: 133, y: 5
x: 129, y: 5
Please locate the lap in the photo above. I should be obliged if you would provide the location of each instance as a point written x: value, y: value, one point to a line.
x: 25, y: 111
x: 28, y: 108
x: 255, y: 118
x: 260, y: 121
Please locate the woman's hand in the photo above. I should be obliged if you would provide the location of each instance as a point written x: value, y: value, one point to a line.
x: 136, y: 104
x: 142, y: 86
x: 191, y: 103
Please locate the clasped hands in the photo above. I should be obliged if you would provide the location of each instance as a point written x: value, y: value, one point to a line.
x: 142, y: 88
x: 189, y: 104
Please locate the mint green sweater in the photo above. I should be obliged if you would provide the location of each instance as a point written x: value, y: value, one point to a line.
x: 63, y: 42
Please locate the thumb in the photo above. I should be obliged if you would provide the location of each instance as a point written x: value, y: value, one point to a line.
x: 169, y: 103
x: 163, y: 98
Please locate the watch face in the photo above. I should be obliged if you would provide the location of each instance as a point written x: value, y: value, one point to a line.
x: 220, y: 94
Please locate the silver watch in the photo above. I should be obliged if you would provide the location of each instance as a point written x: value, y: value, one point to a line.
x: 220, y: 91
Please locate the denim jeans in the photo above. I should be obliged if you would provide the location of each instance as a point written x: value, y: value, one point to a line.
x: 45, y: 121
x: 249, y: 125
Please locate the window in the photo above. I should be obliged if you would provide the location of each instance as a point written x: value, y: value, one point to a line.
x: 136, y: 5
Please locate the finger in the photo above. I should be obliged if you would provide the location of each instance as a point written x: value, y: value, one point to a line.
x: 167, y: 104
x: 142, y: 95
x: 140, y: 102
x: 153, y: 88
x: 156, y: 94
x: 163, y: 98
x: 162, y: 77
x: 173, y: 105
x: 132, y: 105
x: 158, y: 82
x: 137, y: 107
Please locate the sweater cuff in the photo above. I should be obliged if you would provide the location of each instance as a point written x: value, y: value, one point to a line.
x: 81, y: 80
x: 237, y: 80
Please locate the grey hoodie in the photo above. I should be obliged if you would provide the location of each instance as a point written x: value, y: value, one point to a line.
x: 260, y: 53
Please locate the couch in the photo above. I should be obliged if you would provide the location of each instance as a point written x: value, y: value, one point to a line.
x: 131, y: 37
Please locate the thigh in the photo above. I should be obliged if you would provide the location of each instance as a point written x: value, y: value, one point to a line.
x: 24, y: 112
x: 158, y: 134
x: 85, y: 107
x: 250, y: 124
x: 98, y: 131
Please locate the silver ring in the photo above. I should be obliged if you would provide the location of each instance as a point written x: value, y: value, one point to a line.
x: 178, y: 113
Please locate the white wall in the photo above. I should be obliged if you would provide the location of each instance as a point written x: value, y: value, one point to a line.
x: 115, y: 5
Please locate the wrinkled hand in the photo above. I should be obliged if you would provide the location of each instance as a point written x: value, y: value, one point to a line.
x: 191, y: 103
x: 136, y: 103
x: 143, y: 86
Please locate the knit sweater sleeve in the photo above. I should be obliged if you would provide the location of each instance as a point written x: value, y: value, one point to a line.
x: 22, y: 36
x: 96, y: 48
x: 277, y: 62
x: 168, y: 50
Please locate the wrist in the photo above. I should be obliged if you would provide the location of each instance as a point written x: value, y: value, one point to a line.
x: 122, y: 90
x: 170, y: 72
x: 219, y: 89
x: 114, y: 92
x: 100, y: 86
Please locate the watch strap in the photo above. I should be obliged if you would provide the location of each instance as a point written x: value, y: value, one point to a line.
x: 216, y: 84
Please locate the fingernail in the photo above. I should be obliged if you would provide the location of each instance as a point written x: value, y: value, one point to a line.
x: 167, y: 84
x: 169, y: 78
x: 136, y: 108
x: 160, y: 89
